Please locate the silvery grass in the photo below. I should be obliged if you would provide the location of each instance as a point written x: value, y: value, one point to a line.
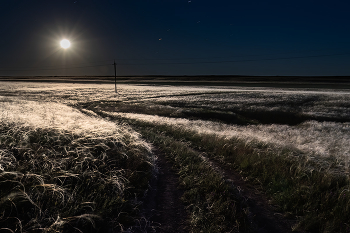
x: 75, y: 93
x: 61, y: 169
x: 315, y: 139
x: 310, y: 102
x: 48, y: 115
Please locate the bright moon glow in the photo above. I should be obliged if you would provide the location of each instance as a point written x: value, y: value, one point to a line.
x: 65, y: 43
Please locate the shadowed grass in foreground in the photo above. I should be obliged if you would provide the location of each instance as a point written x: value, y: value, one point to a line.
x: 58, y: 181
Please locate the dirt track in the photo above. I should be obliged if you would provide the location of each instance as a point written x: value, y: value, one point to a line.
x: 164, y: 211
x: 162, y: 208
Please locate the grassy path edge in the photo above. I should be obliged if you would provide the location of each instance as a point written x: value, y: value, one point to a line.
x: 317, y: 197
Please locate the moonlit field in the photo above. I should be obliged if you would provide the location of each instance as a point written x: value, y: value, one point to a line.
x: 174, y: 116
x: 317, y: 138
x: 59, y: 141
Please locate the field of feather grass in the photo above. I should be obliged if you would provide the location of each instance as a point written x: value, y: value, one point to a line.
x: 64, y: 171
x: 294, y: 143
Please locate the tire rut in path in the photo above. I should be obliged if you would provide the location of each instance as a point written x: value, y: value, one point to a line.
x: 162, y: 207
x: 264, y: 216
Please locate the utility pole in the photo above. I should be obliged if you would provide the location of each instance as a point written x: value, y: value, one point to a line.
x: 115, y: 76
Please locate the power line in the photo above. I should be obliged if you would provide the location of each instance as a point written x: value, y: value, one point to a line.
x: 230, y: 56
x: 168, y: 63
x: 233, y: 61
x: 35, y: 69
x: 88, y: 64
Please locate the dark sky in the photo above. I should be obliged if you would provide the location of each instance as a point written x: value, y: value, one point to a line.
x: 175, y: 37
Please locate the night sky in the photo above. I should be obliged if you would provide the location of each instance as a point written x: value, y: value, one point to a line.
x: 175, y: 37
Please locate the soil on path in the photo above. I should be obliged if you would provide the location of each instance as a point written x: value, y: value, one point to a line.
x: 162, y: 208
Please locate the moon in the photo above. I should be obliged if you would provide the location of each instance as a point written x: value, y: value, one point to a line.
x: 65, y: 43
